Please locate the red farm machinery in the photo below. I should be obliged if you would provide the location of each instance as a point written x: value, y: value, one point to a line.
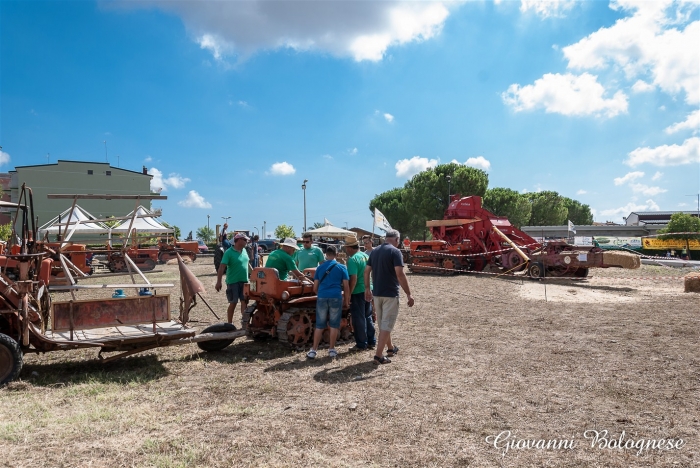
x: 471, y: 239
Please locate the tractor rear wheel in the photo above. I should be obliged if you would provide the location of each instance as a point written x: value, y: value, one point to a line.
x: 218, y: 255
x: 10, y: 359
x: 581, y: 273
x: 536, y: 269
x: 217, y: 345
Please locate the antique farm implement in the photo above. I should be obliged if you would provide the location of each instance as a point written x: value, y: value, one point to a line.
x: 471, y: 239
x: 123, y: 325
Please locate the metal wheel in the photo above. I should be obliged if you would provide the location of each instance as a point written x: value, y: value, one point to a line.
x: 147, y: 265
x: 581, y: 273
x: 299, y: 329
x: 10, y: 359
x: 218, y: 255
x: 117, y: 265
x: 217, y: 345
x: 536, y: 269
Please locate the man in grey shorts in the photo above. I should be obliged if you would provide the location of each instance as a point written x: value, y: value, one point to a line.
x: 385, y: 264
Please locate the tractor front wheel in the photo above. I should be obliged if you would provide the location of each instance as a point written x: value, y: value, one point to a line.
x: 536, y: 269
x: 10, y: 359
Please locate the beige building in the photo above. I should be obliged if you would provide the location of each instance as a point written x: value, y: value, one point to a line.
x: 81, y: 177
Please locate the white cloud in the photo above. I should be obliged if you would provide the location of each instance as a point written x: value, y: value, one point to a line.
x: 652, y: 43
x: 194, y: 200
x: 282, y: 168
x: 649, y: 205
x: 581, y: 192
x: 479, y: 162
x: 357, y: 29
x: 4, y: 158
x: 327, y: 156
x: 243, y: 104
x: 657, y: 176
x: 546, y: 8
x: 667, y: 155
x: 352, y: 151
x: 148, y: 159
x: 389, y: 118
x: 692, y: 122
x: 682, y: 204
x: 566, y: 94
x: 642, y: 87
x: 410, y: 167
x: 629, y: 177
x: 173, y: 180
x: 646, y: 190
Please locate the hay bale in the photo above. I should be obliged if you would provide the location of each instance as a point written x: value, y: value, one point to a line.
x: 622, y: 259
x: 692, y: 282
x: 173, y: 261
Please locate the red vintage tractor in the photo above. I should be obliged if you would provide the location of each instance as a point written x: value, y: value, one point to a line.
x: 470, y: 238
x: 285, y: 310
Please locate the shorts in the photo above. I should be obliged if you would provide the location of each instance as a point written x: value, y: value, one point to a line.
x: 234, y: 292
x: 328, y: 309
x: 387, y: 309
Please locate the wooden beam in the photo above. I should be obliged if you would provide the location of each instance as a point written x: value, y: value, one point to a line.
x: 450, y: 222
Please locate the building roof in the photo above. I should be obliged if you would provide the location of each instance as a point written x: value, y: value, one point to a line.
x: 662, y: 213
x: 81, y: 162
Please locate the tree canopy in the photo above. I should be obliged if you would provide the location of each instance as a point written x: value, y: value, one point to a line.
x: 509, y: 203
x: 283, y: 231
x: 205, y: 233
x: 682, y: 222
x: 548, y: 208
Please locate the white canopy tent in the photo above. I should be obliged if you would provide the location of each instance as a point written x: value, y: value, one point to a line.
x: 144, y: 222
x: 77, y: 221
x: 328, y: 230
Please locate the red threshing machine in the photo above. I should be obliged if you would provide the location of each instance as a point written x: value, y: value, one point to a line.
x: 470, y: 238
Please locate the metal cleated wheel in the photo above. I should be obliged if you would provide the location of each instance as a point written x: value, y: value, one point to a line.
x: 295, y: 329
x: 218, y: 255
x: 147, y: 265
x: 536, y: 270
x: 217, y: 345
x: 10, y: 359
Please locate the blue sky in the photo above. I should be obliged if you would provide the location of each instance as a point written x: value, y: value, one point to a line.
x: 233, y: 104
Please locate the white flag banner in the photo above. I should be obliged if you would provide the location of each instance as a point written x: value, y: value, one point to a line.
x: 326, y: 222
x: 572, y: 228
x: 380, y: 221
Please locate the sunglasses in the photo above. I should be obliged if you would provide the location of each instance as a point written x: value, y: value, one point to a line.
x: 306, y: 242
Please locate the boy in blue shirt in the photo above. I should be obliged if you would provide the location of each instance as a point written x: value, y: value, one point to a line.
x: 332, y: 288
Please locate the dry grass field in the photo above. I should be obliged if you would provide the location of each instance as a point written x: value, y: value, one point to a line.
x: 479, y: 356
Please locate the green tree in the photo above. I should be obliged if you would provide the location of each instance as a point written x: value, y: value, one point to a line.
x: 509, y: 203
x: 283, y: 231
x: 176, y: 230
x: 578, y: 213
x: 5, y: 231
x: 318, y: 225
x: 111, y: 224
x: 426, y: 192
x: 548, y: 209
x: 682, y: 222
x: 205, y: 233
x: 393, y: 206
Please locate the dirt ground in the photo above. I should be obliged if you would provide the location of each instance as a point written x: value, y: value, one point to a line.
x: 480, y: 356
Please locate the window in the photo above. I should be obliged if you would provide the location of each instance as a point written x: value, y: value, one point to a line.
x: 109, y: 172
x: 89, y: 171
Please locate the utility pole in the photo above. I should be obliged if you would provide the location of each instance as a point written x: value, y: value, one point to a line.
x: 303, y: 187
x: 105, y: 142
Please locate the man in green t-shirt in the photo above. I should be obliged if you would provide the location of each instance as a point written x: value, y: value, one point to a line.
x: 310, y: 256
x: 362, y: 323
x: 235, y: 263
x: 281, y: 259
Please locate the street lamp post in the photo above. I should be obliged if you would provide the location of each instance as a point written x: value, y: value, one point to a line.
x: 225, y: 218
x: 264, y: 229
x: 449, y: 188
x: 208, y: 222
x: 303, y: 187
x: 258, y: 230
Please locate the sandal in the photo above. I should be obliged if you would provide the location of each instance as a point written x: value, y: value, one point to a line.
x: 391, y: 352
x: 381, y: 360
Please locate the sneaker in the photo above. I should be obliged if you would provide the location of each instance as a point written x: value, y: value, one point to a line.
x: 311, y: 354
x: 332, y: 353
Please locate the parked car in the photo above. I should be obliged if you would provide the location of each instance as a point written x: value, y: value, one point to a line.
x: 202, y: 246
x: 268, y: 245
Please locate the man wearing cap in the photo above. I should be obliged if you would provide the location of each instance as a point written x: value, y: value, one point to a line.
x: 235, y: 263
x: 332, y: 295
x: 362, y: 324
x: 281, y: 259
x: 309, y: 256
x: 385, y: 264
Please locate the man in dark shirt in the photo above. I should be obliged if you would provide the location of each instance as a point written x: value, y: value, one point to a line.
x: 385, y: 265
